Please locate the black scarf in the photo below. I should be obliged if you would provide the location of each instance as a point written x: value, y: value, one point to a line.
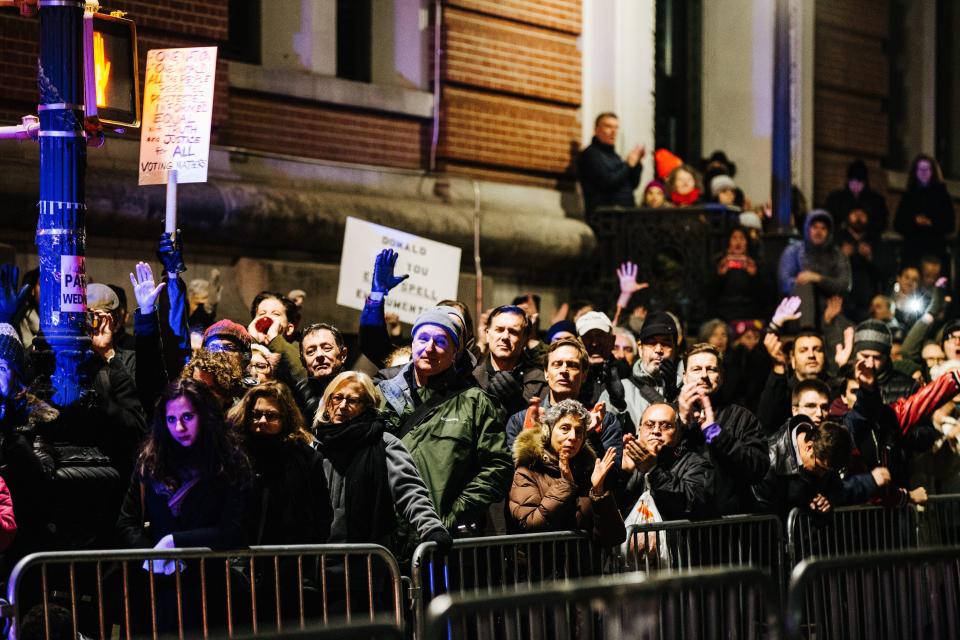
x: 356, y: 451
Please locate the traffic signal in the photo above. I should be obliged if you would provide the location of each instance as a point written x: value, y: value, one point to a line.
x: 114, y: 52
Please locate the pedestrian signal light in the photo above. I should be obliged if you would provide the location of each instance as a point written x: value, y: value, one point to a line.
x: 116, y: 90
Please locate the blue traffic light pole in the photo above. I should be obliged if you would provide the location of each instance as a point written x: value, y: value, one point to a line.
x: 61, y: 235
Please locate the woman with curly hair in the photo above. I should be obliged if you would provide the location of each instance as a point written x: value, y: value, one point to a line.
x: 188, y: 490
x: 559, y: 482
x: 290, y: 488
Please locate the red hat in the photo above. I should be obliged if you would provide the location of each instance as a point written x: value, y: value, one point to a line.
x: 229, y: 330
x: 666, y: 162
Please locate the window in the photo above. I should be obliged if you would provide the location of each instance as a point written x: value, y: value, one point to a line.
x: 243, y: 44
x: 678, y: 69
x: 947, y: 87
x: 354, y: 30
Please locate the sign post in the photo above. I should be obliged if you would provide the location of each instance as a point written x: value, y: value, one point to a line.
x: 433, y: 267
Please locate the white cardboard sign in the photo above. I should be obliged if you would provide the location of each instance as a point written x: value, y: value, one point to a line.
x: 177, y: 107
x: 434, y: 269
x: 73, y: 284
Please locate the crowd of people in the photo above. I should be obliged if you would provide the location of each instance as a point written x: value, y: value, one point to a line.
x: 195, y: 431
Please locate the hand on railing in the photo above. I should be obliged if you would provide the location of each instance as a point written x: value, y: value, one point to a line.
x: 160, y: 565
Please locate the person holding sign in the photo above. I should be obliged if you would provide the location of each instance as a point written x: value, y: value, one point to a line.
x: 454, y: 431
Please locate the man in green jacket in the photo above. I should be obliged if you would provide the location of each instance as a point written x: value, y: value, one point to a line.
x: 453, y: 430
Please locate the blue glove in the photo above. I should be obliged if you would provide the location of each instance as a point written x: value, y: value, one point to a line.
x: 170, y: 253
x: 383, y: 278
x: 11, y: 300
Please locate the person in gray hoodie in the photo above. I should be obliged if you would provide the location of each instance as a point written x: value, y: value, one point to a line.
x: 814, y: 268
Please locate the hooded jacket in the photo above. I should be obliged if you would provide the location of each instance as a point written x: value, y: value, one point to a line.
x: 827, y: 260
x: 458, y: 447
x: 542, y: 500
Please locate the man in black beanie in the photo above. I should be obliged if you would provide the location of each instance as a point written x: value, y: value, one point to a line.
x: 872, y: 343
x: 655, y: 371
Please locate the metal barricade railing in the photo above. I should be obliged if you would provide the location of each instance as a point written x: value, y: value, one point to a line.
x: 910, y: 594
x: 731, y: 541
x: 711, y: 603
x: 494, y: 564
x: 353, y: 631
x: 850, y: 530
x: 940, y: 521
x: 205, y: 594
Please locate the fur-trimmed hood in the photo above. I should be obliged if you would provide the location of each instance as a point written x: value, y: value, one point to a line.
x: 529, y: 449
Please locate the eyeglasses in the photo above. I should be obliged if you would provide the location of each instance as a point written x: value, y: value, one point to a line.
x: 269, y: 415
x: 662, y: 426
x: 260, y: 366
x: 953, y: 337
x: 351, y: 401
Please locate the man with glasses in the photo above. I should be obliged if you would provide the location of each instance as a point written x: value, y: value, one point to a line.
x: 453, y: 430
x: 680, y: 480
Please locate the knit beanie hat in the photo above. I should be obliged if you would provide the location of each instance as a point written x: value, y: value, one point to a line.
x: 873, y: 335
x: 441, y: 317
x: 228, y: 330
x: 857, y: 170
x: 721, y: 182
x: 666, y: 161
x: 11, y: 349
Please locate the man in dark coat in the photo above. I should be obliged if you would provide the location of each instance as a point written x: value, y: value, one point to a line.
x: 857, y: 194
x: 729, y: 437
x: 606, y: 180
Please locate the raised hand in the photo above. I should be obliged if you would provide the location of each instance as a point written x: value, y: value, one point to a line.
x: 597, y: 414
x: 531, y: 419
x: 216, y: 291
x: 562, y: 312
x: 866, y: 374
x: 833, y: 309
x: 706, y: 412
x: 601, y: 468
x: 627, y: 274
x: 787, y: 310
x: 170, y: 252
x: 845, y: 350
x: 383, y: 278
x: 263, y: 329
x: 145, y: 289
x: 11, y: 300
x: 564, y: 463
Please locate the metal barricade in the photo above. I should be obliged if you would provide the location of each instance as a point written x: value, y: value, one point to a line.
x: 731, y: 541
x: 711, y: 603
x: 940, y: 521
x: 850, y: 530
x: 198, y: 592
x: 910, y: 594
x: 352, y: 631
x: 494, y: 564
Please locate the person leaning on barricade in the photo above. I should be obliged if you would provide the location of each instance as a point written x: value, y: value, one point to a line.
x: 805, y: 464
x: 559, y: 483
x: 453, y: 430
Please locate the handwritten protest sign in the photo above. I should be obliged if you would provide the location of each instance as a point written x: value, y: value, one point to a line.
x: 177, y: 105
x: 434, y: 269
x: 73, y: 284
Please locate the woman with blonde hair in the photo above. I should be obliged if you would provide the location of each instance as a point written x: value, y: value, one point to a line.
x: 368, y: 470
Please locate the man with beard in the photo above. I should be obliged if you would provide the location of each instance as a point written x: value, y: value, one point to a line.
x: 506, y: 372
x: 729, y: 436
x: 655, y: 371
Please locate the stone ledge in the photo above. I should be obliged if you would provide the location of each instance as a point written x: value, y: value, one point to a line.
x: 308, y: 86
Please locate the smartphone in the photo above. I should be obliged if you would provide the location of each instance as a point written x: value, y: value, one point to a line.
x: 263, y: 324
x: 736, y: 263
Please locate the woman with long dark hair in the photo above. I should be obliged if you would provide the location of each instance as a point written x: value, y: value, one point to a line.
x: 290, y: 488
x: 188, y: 490
x: 925, y: 214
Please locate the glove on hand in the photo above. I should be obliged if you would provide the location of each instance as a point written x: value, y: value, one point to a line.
x: 505, y: 386
x: 170, y: 253
x: 442, y: 537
